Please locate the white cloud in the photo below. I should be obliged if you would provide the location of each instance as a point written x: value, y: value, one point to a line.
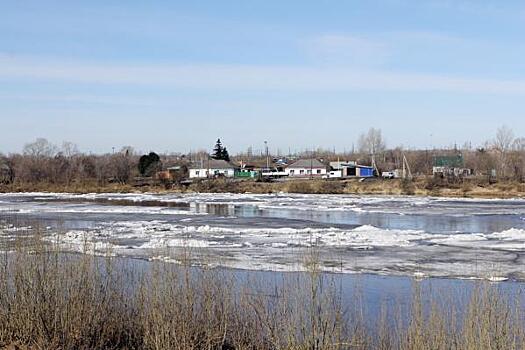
x: 246, y: 77
x: 350, y: 49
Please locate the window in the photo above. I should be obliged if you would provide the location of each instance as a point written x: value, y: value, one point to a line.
x: 319, y: 171
x: 292, y: 172
x: 197, y: 172
x: 309, y: 172
x: 301, y: 172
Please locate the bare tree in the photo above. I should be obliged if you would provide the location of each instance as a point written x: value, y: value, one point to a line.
x: 69, y: 149
x: 519, y: 144
x: 483, y: 162
x: 121, y: 165
x: 40, y: 148
x: 516, y: 158
x: 502, y: 145
x: 372, y: 142
x: 504, y: 139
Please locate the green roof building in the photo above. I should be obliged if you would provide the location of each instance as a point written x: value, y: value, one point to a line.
x: 455, y: 161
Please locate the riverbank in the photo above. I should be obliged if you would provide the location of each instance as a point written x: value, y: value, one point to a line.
x: 423, y: 186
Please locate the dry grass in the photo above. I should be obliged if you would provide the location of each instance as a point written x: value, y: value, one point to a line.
x: 422, y: 186
x: 50, y: 300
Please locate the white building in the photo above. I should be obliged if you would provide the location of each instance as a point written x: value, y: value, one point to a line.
x: 307, y: 168
x: 211, y: 168
x: 274, y: 173
x: 444, y: 171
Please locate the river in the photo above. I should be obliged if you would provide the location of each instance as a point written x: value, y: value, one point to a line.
x: 380, y: 235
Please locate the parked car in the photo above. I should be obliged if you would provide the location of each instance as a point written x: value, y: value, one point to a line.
x: 333, y: 174
x: 388, y: 175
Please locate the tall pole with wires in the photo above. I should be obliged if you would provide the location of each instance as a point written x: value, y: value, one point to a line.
x: 267, y: 155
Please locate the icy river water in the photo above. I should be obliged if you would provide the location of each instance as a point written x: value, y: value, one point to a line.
x: 410, y: 236
x: 381, y: 235
x: 376, y: 249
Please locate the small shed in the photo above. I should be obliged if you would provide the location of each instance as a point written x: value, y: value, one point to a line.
x: 356, y: 170
x: 450, y: 166
x: 246, y: 173
x: 351, y: 169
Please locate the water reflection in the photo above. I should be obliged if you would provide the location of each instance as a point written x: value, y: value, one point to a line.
x: 423, y: 222
x: 221, y: 210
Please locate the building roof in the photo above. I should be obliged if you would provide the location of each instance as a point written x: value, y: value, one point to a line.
x: 341, y: 164
x: 455, y: 161
x: 307, y: 163
x: 358, y: 166
x: 212, y: 164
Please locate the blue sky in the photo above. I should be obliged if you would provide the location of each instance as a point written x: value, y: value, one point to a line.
x: 175, y: 75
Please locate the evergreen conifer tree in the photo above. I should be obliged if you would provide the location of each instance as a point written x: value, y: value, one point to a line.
x: 225, y: 155
x: 217, y: 150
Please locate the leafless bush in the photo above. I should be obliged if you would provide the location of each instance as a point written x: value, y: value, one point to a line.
x: 407, y: 187
x: 56, y: 301
x: 50, y: 300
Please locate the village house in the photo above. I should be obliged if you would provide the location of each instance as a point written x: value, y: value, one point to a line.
x: 211, y: 168
x: 307, y: 168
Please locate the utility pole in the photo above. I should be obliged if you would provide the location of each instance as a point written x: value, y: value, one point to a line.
x: 267, y: 155
x: 374, y: 165
x: 406, y: 167
x: 311, y: 167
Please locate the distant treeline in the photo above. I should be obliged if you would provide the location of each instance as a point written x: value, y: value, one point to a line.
x: 44, y: 162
